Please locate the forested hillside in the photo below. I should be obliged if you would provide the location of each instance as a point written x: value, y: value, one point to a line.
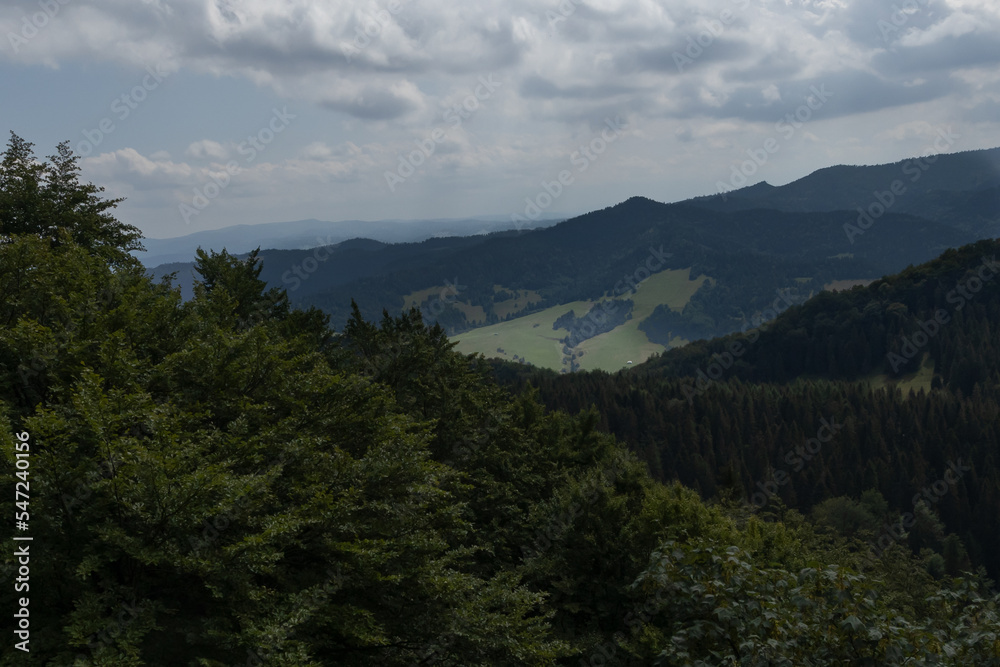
x: 304, y: 273
x: 228, y: 481
x: 728, y: 415
x: 748, y: 254
x: 753, y: 241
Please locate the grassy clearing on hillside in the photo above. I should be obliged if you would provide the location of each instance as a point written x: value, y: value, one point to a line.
x: 473, y: 314
x: 614, y: 349
x: 533, y: 339
x: 414, y: 299
x: 921, y: 379
x: 530, y: 337
x: 522, y: 299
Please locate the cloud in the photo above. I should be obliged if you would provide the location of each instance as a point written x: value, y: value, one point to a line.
x: 206, y: 149
x: 317, y: 162
x: 371, y: 102
x: 370, y: 79
x: 128, y: 165
x: 538, y: 87
x: 379, y: 61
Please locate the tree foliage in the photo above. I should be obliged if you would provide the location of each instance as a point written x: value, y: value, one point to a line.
x: 46, y: 199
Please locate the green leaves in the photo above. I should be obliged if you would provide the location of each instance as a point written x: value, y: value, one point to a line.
x: 215, y: 472
x: 46, y: 200
x: 733, y: 609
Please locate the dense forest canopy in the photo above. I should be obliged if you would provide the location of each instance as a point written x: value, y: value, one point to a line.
x: 730, y: 414
x: 226, y: 481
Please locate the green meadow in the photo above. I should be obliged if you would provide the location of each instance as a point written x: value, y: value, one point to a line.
x: 531, y: 338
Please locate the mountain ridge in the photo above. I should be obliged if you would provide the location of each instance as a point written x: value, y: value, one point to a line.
x: 758, y: 241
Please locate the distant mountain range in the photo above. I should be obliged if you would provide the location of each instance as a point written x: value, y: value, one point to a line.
x: 303, y: 234
x: 690, y: 270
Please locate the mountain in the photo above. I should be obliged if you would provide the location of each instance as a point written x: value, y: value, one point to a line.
x: 686, y: 271
x: 303, y: 234
x: 587, y: 256
x: 306, y: 272
x: 884, y: 388
x: 742, y: 260
x: 960, y: 189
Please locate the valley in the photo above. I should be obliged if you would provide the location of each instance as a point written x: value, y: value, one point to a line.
x: 499, y: 294
x: 534, y: 339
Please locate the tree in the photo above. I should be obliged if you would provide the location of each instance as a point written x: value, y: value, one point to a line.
x: 711, y: 605
x: 46, y: 199
x: 213, y: 491
x: 223, y: 273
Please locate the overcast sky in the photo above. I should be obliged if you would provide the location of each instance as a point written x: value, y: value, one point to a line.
x: 208, y: 113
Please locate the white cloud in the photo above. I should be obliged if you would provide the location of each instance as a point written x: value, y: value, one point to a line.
x: 206, y: 149
x: 129, y: 165
x: 411, y: 60
x: 366, y: 97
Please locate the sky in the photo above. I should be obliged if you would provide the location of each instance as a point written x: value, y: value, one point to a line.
x: 210, y: 113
